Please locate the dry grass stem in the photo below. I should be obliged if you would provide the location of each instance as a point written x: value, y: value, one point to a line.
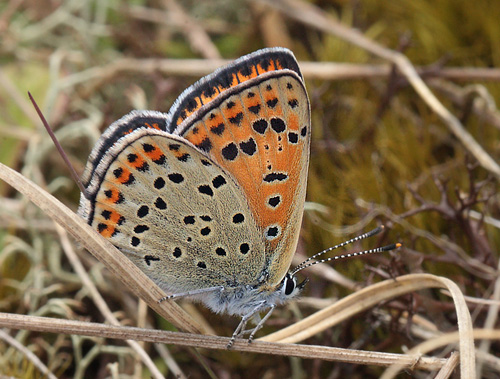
x: 44, y: 324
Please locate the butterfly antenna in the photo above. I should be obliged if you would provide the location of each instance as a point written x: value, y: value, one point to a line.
x: 75, y: 176
x: 351, y: 255
x: 308, y: 263
x: 352, y: 240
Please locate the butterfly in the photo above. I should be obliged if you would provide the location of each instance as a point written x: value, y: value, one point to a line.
x: 207, y: 199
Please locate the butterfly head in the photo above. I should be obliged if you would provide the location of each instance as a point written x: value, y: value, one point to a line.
x: 290, y: 288
x: 287, y: 289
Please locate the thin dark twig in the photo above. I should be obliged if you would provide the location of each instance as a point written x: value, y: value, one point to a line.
x: 75, y: 176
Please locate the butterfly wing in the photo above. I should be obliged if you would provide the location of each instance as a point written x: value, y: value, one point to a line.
x: 250, y: 121
x: 173, y: 211
x: 253, y: 119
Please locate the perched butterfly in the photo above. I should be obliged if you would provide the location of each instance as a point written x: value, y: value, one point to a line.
x: 208, y: 199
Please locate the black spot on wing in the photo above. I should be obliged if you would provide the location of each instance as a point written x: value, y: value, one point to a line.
x: 244, y: 248
x: 218, y: 181
x: 230, y: 151
x: 160, y: 203
x: 106, y: 214
x: 220, y: 252
x: 189, y: 220
x: 238, y: 218
x: 255, y: 109
x: 206, y: 190
x: 272, y: 232
x: 142, y: 211
x: 218, y: 129
x: 236, y: 120
x: 147, y: 147
x: 205, y: 145
x: 183, y: 157
x: 150, y: 258
x: 118, y: 172
x: 159, y: 183
x: 205, y: 231
x: 278, y: 125
x: 177, y: 252
x: 141, y: 228
x: 176, y: 177
x: 275, y: 176
x: 260, y: 126
x: 248, y: 147
x: 174, y: 147
x: 274, y: 201
x: 272, y: 103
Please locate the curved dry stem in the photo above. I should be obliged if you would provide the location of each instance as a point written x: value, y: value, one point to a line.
x: 133, y: 278
x: 46, y: 324
x: 370, y: 296
x: 441, y: 341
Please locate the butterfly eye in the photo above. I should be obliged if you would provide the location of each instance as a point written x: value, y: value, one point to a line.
x: 289, y: 285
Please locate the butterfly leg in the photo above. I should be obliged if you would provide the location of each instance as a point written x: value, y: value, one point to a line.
x: 261, y: 323
x: 240, y: 330
x: 191, y: 293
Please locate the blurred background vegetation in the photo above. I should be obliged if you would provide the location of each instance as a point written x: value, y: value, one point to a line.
x: 379, y: 155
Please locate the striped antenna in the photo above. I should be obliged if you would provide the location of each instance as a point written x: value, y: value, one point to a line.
x: 59, y: 148
x: 307, y: 263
